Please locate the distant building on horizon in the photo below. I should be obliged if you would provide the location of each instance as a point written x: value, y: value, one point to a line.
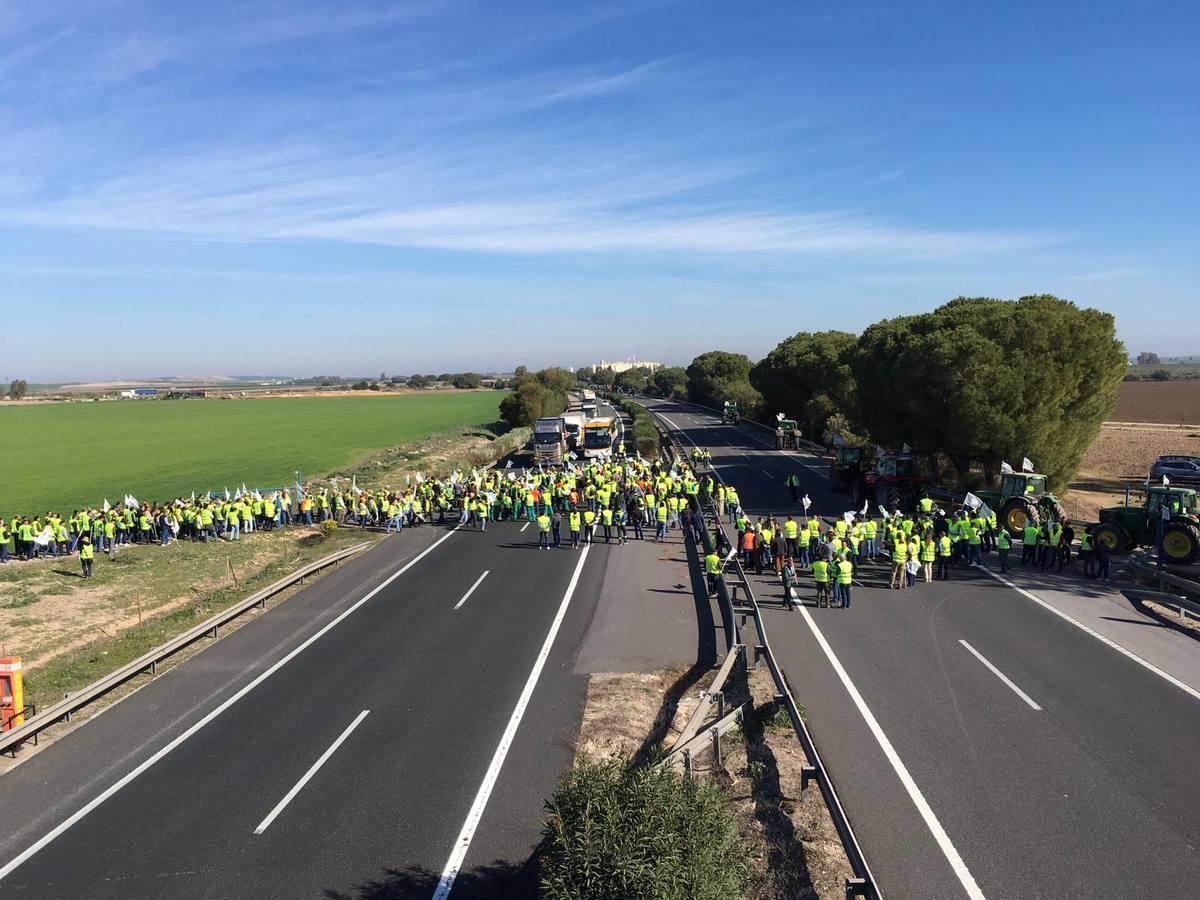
x: 626, y: 364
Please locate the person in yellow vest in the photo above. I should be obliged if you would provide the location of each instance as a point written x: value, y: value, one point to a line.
x: 660, y: 521
x: 845, y: 575
x: 543, y: 524
x: 589, y: 525
x: 87, y: 553
x: 575, y: 522
x: 944, y: 549
x: 712, y: 570
x: 928, y: 555
x: 1029, y: 543
x: 899, y: 559
x: 606, y: 520
x: 820, y: 572
x: 1003, y: 545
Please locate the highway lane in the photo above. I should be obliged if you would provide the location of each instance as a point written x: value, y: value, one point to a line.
x: 1093, y: 794
x: 438, y: 685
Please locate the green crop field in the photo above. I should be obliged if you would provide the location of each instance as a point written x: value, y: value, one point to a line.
x: 63, y: 456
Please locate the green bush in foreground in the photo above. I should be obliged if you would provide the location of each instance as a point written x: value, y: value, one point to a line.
x: 617, y: 832
x: 328, y: 528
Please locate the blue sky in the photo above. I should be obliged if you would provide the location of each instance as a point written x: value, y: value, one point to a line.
x: 441, y: 185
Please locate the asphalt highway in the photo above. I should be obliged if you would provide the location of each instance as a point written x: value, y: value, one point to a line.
x: 390, y: 732
x: 983, y: 744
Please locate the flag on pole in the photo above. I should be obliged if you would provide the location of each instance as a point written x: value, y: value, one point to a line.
x: 1166, y: 481
x: 257, y: 495
x: 193, y: 500
x: 227, y: 492
x: 972, y: 501
x: 1027, y: 465
x: 1005, y: 469
x: 848, y: 516
x: 45, y: 537
x: 807, y: 502
x: 905, y: 449
x: 354, y: 484
x: 883, y: 512
x: 106, y: 506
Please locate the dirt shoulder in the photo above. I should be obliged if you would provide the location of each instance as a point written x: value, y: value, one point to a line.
x: 797, y: 850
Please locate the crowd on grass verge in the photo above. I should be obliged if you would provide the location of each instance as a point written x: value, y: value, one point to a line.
x: 573, y: 506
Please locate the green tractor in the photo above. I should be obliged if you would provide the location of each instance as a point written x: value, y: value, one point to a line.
x: 730, y: 414
x: 1124, y: 527
x: 846, y: 471
x: 1023, y: 497
x: 787, y: 434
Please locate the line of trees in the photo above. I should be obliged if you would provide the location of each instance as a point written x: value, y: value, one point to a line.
x: 977, y: 381
x: 536, y: 395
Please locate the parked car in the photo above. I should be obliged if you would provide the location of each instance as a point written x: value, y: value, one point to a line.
x: 1179, y: 469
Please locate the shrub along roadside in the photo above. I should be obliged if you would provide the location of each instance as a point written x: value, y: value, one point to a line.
x: 645, y: 434
x: 619, y: 832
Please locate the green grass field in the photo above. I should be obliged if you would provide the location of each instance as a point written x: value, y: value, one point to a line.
x: 63, y: 456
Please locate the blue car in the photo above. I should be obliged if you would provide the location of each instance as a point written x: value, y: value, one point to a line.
x: 1179, y: 469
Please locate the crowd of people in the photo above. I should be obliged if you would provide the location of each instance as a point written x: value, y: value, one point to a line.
x: 922, y: 546
x: 611, y: 499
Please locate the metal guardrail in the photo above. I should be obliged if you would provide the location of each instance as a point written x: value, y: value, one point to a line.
x: 11, y: 741
x: 863, y: 883
x: 1135, y: 566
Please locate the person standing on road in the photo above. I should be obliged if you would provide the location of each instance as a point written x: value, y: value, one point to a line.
x: 1029, y: 542
x: 791, y: 534
x: 944, y: 548
x: 1003, y: 544
x: 845, y: 576
x: 820, y: 572
x: 1064, y: 545
x: 793, y: 485
x: 576, y: 523
x: 712, y: 570
x: 1101, y: 552
x: 543, y: 524
x: 788, y: 577
x: 556, y: 527
x: 928, y: 555
x: 1086, y: 554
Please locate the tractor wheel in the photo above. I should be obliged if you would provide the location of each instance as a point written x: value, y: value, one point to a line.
x: 1180, y: 543
x: 1016, y: 512
x: 1111, y: 536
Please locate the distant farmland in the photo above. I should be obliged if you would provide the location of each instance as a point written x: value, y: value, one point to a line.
x: 1168, y: 402
x: 63, y: 456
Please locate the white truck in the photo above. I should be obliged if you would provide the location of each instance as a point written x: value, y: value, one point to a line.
x: 589, y: 404
x: 574, y: 428
x: 549, y: 440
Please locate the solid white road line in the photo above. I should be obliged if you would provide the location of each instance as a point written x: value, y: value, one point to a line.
x: 1166, y: 676
x: 523, y: 527
x: 130, y: 776
x: 288, y: 797
x: 1016, y: 690
x: 458, y: 854
x: 939, y: 833
x: 471, y: 589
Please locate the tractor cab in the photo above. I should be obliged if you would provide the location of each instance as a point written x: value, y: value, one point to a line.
x: 787, y: 434
x: 1178, y: 501
x: 1022, y: 484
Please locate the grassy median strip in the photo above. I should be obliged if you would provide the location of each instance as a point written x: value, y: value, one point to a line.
x: 645, y: 434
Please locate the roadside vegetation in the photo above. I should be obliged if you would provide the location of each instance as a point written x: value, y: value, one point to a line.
x: 645, y: 434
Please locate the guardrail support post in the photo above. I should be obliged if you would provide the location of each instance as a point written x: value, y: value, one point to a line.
x: 154, y: 667
x: 67, y: 717
x: 720, y: 705
x: 213, y: 633
x: 687, y: 761
x: 716, y: 745
x: 759, y: 652
x: 807, y: 774
x: 856, y: 887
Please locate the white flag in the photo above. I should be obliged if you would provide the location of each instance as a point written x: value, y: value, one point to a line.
x: 257, y: 495
x: 807, y: 502
x: 420, y: 478
x: 226, y: 492
x: 45, y: 537
x: 985, y: 511
x: 866, y: 507
x: 883, y: 512
x: 1166, y: 481
x: 193, y: 500
x: 106, y: 506
x: 1005, y: 469
x: 1026, y: 465
x: 131, y: 501
x: 906, y: 449
x: 849, y: 517
x: 354, y: 484
x: 972, y: 501
x: 508, y: 465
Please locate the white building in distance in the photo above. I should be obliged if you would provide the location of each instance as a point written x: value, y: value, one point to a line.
x: 627, y: 364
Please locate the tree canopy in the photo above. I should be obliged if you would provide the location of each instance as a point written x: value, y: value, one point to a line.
x: 807, y: 377
x: 535, y: 396
x: 988, y: 380
x: 717, y: 376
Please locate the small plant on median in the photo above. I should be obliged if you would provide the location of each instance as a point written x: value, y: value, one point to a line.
x: 617, y: 832
x: 327, y: 529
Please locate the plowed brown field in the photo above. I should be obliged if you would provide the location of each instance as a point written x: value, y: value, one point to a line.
x: 1167, y: 402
